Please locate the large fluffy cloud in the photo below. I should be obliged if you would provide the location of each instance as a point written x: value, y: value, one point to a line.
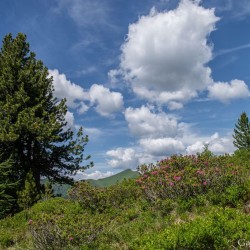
x: 165, y: 54
x: 123, y: 158
x: 162, y: 146
x: 128, y: 158
x: 107, y: 102
x: 165, y: 57
x: 216, y: 143
x: 160, y: 135
x: 142, y: 122
x: 150, y: 150
x: 227, y: 91
x: 63, y: 88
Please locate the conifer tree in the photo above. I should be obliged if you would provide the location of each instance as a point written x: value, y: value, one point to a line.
x: 48, y: 191
x: 29, y: 195
x: 32, y: 121
x: 8, y: 187
x: 242, y: 132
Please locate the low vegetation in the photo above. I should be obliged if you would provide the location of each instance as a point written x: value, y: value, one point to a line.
x: 182, y: 202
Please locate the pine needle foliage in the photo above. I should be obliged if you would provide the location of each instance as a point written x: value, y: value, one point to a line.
x: 48, y: 191
x: 242, y: 132
x: 8, y: 186
x: 33, y: 128
x: 29, y: 195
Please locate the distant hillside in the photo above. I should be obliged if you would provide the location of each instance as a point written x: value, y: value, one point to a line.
x: 59, y: 189
x: 62, y: 189
x: 112, y: 180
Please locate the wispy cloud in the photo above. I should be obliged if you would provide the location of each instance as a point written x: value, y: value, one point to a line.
x: 243, y: 9
x: 87, y: 13
x: 238, y: 9
x: 225, y: 6
x: 227, y: 51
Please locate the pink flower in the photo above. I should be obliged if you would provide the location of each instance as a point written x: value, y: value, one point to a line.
x: 171, y: 183
x: 177, y: 178
x: 154, y: 173
x: 200, y: 172
x: 165, y: 167
x: 204, y: 183
x: 71, y: 238
x: 30, y: 222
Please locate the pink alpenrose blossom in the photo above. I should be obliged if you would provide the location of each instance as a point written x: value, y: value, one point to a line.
x: 177, y: 178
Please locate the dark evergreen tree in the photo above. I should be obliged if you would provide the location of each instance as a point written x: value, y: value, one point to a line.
x: 48, y: 191
x: 29, y: 195
x: 32, y: 121
x: 8, y: 187
x: 242, y: 132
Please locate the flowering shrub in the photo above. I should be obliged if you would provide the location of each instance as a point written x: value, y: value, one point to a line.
x: 186, y: 176
x: 62, y: 224
x: 63, y: 231
x: 98, y: 199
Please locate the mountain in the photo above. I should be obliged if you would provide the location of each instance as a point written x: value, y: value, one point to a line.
x: 112, y: 180
x: 62, y: 189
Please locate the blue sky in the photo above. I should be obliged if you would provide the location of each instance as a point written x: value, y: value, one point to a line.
x: 145, y: 78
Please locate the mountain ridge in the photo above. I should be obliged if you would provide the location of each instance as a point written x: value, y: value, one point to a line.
x: 113, y: 179
x: 62, y: 189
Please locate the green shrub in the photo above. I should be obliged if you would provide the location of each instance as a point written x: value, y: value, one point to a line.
x: 6, y: 240
x: 218, y: 229
x: 144, y: 214
x: 13, y: 230
x: 97, y: 199
x: 62, y: 224
x: 62, y: 231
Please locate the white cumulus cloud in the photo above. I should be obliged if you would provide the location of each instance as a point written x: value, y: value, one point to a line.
x: 165, y: 54
x: 128, y: 158
x: 106, y: 101
x: 94, y: 175
x: 216, y: 143
x: 123, y: 158
x: 63, y: 88
x: 69, y: 117
x: 196, y: 147
x: 82, y: 108
x: 144, y: 123
x: 225, y: 92
x: 162, y: 146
